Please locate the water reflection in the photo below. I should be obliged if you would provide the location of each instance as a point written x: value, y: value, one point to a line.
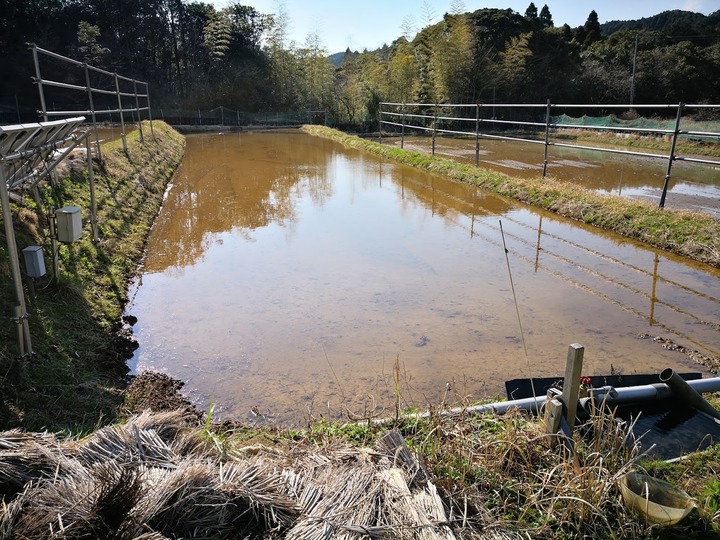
x: 216, y: 193
x: 288, y: 273
x: 692, y: 186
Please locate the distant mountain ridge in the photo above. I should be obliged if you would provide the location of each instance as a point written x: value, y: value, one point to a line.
x: 676, y: 22
x: 336, y: 59
x: 673, y: 22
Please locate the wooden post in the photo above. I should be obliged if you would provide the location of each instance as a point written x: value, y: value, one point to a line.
x: 553, y: 414
x: 571, y: 384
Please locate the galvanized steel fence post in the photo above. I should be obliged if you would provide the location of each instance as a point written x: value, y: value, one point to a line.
x: 434, y: 131
x: 477, y: 134
x: 547, y: 132
x: 92, y: 109
x: 20, y: 312
x: 38, y: 80
x: 137, y: 108
x: 147, y: 98
x: 91, y: 180
x: 380, y: 121
x: 671, y: 157
x: 120, y: 110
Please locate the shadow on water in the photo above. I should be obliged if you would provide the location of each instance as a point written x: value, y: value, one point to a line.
x: 287, y: 273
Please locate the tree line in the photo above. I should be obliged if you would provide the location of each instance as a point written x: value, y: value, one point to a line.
x: 197, y: 56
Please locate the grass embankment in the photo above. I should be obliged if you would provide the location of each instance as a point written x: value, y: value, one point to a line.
x: 74, y: 379
x: 689, y: 234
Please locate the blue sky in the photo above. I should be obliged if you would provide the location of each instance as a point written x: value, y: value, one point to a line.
x: 362, y: 24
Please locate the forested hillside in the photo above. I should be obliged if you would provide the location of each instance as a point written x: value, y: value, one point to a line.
x: 196, y: 56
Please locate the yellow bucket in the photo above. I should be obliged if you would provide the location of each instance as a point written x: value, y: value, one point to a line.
x: 658, y: 501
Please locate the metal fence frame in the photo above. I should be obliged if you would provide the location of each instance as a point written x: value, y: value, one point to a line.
x: 398, y: 116
x: 226, y: 117
x: 27, y: 154
x: 115, y: 79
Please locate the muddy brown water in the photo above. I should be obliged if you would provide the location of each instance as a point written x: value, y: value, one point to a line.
x: 289, y: 274
x: 692, y: 186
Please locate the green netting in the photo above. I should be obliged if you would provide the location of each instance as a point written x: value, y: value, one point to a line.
x: 650, y: 124
x: 613, y: 121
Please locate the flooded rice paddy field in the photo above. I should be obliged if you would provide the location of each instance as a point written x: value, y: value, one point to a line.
x: 287, y: 274
x: 692, y: 186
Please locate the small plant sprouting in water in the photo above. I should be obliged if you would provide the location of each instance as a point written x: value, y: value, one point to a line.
x: 396, y: 379
x: 209, y: 434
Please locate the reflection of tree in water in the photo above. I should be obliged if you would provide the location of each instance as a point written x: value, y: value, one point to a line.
x: 239, y: 183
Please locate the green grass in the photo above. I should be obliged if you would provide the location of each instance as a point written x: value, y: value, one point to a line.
x: 690, y: 234
x: 75, y: 378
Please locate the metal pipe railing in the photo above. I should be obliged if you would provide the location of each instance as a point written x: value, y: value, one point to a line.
x: 388, y: 118
x: 90, y: 90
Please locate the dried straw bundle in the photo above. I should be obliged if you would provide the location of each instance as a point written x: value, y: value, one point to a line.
x: 25, y: 458
x: 82, y: 503
x: 158, y: 477
x: 127, y: 444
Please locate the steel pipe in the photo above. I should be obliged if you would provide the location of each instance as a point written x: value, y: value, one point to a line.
x: 607, y: 394
x: 684, y: 391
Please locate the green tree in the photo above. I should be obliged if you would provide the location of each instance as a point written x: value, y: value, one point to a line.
x: 361, y: 83
x: 592, y: 30
x: 316, y: 74
x: 669, y: 73
x: 540, y: 65
x: 452, y: 59
x: 546, y: 17
x: 88, y: 47
x: 284, y: 64
x: 494, y: 28
x: 401, y: 72
x: 531, y: 12
x: 217, y: 35
x: 606, y: 70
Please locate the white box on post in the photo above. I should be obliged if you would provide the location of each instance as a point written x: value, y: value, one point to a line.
x: 69, y: 224
x: 34, y: 261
